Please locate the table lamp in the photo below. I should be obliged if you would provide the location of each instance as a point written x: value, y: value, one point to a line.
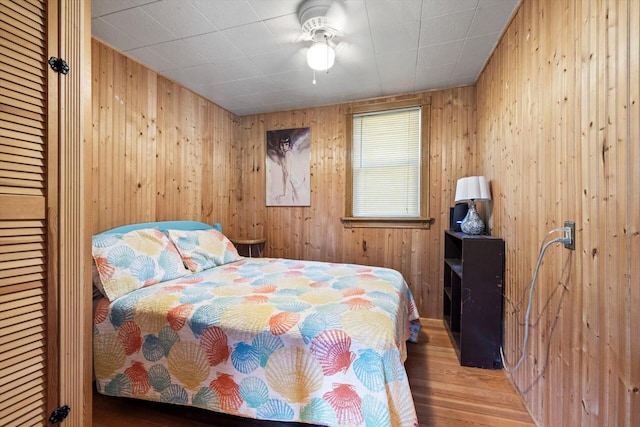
x: 472, y: 189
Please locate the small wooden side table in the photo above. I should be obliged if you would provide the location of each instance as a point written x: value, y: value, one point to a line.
x: 250, y: 243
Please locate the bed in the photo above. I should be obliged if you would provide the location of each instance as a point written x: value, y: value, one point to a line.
x: 265, y: 338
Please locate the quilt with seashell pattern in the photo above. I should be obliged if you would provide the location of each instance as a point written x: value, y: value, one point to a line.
x: 273, y: 339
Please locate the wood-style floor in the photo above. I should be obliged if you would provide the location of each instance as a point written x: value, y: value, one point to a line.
x: 445, y: 394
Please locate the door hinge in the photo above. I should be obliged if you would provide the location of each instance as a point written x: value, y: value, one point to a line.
x: 59, y: 414
x: 59, y: 65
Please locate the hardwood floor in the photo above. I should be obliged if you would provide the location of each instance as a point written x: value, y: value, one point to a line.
x: 445, y: 394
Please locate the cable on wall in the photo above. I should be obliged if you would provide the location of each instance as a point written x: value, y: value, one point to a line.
x: 543, y: 248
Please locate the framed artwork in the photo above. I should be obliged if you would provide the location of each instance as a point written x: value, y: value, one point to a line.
x: 288, y: 167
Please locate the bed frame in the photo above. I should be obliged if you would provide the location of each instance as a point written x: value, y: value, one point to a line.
x: 165, y: 225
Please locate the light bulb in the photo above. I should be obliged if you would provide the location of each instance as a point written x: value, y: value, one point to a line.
x: 321, y: 56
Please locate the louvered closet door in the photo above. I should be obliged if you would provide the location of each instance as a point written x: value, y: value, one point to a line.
x: 24, y: 328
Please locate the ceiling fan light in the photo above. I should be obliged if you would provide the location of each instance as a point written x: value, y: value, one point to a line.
x: 321, y: 56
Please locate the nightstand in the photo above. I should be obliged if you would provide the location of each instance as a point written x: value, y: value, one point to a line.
x: 258, y: 244
x: 473, y: 302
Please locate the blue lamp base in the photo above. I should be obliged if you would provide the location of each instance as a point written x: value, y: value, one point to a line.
x: 472, y: 223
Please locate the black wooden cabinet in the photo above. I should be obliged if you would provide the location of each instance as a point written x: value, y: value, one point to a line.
x: 473, y: 297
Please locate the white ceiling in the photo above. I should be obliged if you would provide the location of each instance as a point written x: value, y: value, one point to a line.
x: 245, y: 55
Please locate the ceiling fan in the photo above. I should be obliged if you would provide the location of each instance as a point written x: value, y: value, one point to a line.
x: 321, y: 21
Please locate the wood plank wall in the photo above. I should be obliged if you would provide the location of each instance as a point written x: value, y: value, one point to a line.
x: 559, y: 137
x: 159, y: 152
x: 316, y: 232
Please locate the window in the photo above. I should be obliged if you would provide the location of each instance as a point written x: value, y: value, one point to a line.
x: 387, y: 166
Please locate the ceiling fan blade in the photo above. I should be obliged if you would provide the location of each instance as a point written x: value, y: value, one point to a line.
x: 304, y: 37
x: 337, y: 15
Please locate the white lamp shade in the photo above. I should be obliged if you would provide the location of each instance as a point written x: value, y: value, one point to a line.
x: 472, y: 188
x: 321, y: 56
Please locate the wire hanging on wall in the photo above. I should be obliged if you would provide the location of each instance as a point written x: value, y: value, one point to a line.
x: 543, y: 248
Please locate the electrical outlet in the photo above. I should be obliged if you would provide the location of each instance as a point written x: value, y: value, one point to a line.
x: 570, y: 235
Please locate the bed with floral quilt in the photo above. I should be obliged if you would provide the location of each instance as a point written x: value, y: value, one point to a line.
x: 185, y: 320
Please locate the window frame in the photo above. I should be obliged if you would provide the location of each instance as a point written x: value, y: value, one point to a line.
x: 422, y: 221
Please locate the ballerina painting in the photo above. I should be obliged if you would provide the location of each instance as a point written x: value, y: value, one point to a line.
x: 288, y: 167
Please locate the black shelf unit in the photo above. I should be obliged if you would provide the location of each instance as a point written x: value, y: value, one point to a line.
x: 473, y: 297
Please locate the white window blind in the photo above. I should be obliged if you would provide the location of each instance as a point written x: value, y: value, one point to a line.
x: 386, y: 163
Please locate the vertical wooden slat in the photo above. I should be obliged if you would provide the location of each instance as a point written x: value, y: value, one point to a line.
x: 71, y: 236
x: 632, y: 225
x: 569, y: 66
x: 53, y: 116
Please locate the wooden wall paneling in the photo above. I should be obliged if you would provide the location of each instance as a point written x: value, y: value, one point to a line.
x: 615, y: 144
x: 194, y: 184
x: 541, y: 153
x: 167, y: 139
x: 131, y: 141
x: 627, y: 202
x: 218, y: 142
x: 110, y: 144
x: 599, y: 164
x: 597, y: 319
x: 102, y: 158
x: 247, y: 215
x: 124, y: 130
x: 183, y: 110
x: 97, y: 134
x: 589, y: 368
x: 316, y: 232
x: 149, y: 189
x: 161, y: 151
x: 135, y: 152
x: 164, y: 160
x: 144, y: 184
x: 207, y: 171
x: 442, y: 195
x: 224, y: 135
x: 166, y: 147
x: 628, y: 75
x: 191, y: 144
x: 451, y: 153
x: 201, y: 182
x: 332, y: 173
x: 569, y: 330
x: 632, y: 213
x: 121, y: 138
x: 241, y: 209
x: 219, y: 168
x: 320, y: 179
x: 182, y: 142
x: 565, y: 107
x: 230, y: 132
x: 565, y: 341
